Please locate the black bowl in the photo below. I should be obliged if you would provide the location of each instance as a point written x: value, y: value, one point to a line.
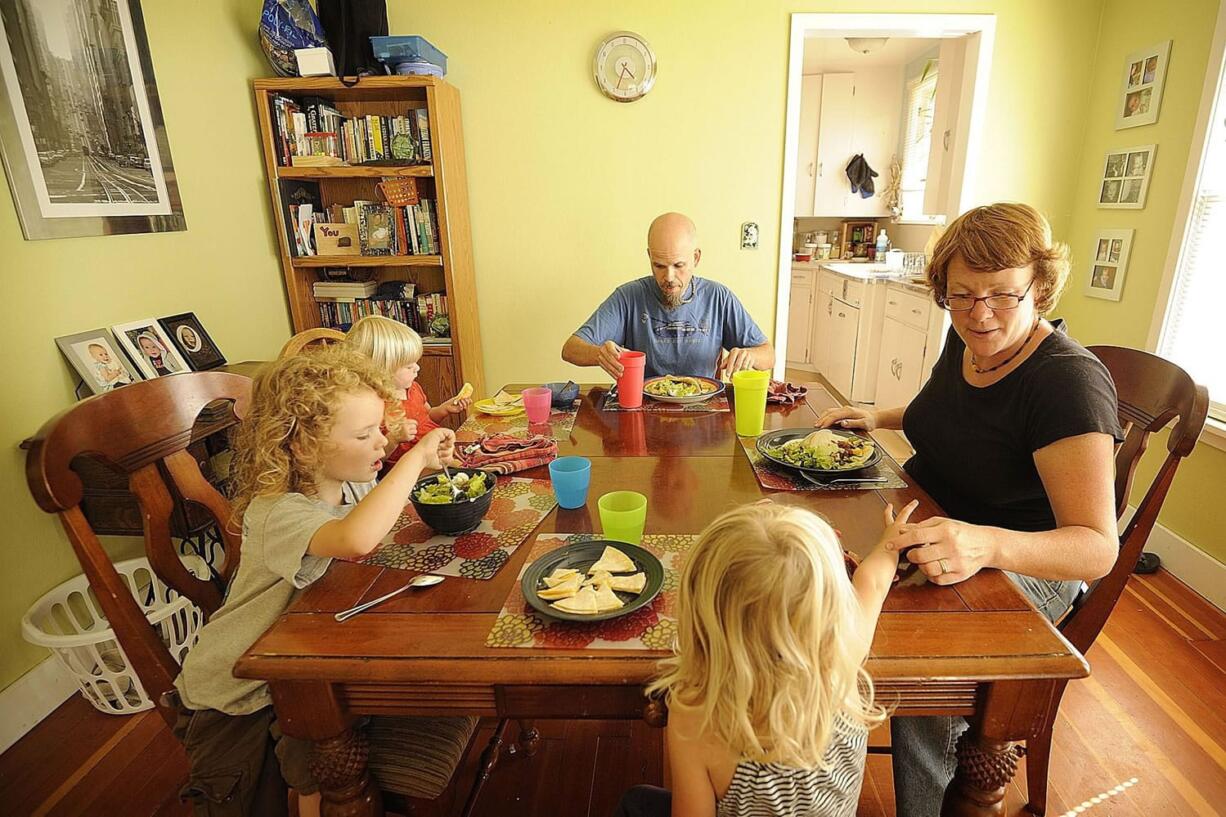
x: 580, y: 556
x: 457, y: 517
x: 564, y: 394
x: 782, y: 435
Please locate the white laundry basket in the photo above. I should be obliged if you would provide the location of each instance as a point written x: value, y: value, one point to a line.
x: 69, y: 621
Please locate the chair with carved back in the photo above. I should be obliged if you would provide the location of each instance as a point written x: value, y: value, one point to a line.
x: 321, y: 336
x: 1152, y: 393
x: 144, y: 430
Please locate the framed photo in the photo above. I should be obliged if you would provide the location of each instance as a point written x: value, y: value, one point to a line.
x: 97, y: 360
x: 192, y: 341
x: 1108, y: 263
x: 1141, y: 90
x: 81, y: 131
x: 149, y: 348
x: 1125, y: 178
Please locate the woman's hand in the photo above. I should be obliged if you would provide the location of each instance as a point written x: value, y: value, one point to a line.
x: 848, y: 417
x: 435, y: 449
x: 948, y: 551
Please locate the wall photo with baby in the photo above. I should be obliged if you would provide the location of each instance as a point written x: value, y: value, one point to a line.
x: 149, y: 348
x: 97, y: 360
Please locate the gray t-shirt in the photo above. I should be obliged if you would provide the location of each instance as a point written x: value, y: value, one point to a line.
x: 685, y: 340
x: 273, y: 570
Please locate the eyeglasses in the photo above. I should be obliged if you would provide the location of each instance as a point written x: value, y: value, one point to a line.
x: 965, y: 303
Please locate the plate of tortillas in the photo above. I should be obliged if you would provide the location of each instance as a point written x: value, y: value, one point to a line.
x: 592, y: 581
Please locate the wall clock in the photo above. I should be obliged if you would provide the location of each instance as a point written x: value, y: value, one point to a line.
x: 625, y: 66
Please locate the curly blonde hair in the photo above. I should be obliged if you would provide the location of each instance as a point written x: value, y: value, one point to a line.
x: 390, y: 344
x: 280, y: 445
x: 766, y: 622
x: 1003, y: 236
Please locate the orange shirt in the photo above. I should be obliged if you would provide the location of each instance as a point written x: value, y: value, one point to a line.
x: 416, y: 408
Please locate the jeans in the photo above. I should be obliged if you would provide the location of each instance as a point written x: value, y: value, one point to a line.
x: 923, y: 747
x: 645, y: 801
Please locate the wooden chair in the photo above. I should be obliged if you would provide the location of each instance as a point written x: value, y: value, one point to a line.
x: 1152, y: 393
x: 144, y: 430
x: 321, y: 336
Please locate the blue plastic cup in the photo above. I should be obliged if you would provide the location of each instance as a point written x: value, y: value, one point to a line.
x: 571, y: 477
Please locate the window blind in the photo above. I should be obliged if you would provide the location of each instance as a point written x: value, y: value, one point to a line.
x: 1193, y: 332
x: 917, y: 140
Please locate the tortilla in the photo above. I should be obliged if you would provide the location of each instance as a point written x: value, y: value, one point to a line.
x: 607, y: 600
x: 560, y: 575
x: 564, y: 590
x: 614, y: 561
x: 629, y: 584
x: 585, y: 602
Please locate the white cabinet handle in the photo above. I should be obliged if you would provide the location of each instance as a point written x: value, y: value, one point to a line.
x: 892, y: 303
x: 945, y: 140
x: 842, y: 314
x: 918, y: 311
x: 811, y: 169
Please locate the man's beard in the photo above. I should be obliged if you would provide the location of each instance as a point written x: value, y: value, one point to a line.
x: 672, y: 299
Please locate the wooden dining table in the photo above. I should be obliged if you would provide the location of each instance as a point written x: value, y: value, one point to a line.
x: 978, y: 649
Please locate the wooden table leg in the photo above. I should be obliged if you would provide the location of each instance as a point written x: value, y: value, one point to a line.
x: 529, y: 739
x: 988, y: 752
x: 311, y: 711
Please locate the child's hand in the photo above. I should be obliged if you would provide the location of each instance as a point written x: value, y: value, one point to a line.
x: 435, y: 449
x: 408, y: 430
x: 894, y: 525
x: 457, y: 405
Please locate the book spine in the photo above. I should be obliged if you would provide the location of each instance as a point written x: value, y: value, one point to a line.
x: 423, y: 128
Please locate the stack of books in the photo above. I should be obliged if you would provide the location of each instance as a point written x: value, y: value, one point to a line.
x: 344, y: 291
x: 301, y: 128
x: 363, y: 228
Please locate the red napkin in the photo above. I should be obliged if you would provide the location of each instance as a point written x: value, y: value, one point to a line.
x: 781, y: 392
x: 504, y: 454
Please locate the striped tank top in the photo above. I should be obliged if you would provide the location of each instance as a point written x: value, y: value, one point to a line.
x: 772, y: 790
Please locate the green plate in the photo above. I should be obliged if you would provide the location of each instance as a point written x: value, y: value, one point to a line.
x: 581, y: 556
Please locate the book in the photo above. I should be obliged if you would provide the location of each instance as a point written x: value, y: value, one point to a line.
x: 299, y: 124
x: 295, y: 194
x: 336, y: 239
x: 422, y: 120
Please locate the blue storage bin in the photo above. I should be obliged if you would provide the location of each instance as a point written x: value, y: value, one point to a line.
x: 397, y: 49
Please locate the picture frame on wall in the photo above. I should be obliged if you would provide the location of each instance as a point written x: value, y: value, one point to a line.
x: 1141, y: 88
x: 195, y: 344
x: 1108, y: 263
x: 1124, y: 183
x: 81, y: 131
x: 147, y: 345
x: 97, y: 360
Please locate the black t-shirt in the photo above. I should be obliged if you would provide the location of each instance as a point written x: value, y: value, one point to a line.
x: 974, y: 447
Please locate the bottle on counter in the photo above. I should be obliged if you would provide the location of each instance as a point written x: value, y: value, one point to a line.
x: 883, y: 244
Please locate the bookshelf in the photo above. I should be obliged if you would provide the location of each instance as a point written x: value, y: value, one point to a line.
x: 443, y: 368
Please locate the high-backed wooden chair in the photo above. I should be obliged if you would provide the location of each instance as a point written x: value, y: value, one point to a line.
x: 321, y: 336
x: 1152, y: 393
x: 144, y: 430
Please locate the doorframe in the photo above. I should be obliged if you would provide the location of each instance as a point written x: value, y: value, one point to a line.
x: 926, y: 26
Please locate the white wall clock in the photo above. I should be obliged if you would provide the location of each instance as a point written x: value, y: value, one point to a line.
x: 625, y: 66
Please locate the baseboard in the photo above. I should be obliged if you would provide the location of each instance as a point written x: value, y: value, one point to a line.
x: 1186, y: 562
x: 32, y: 697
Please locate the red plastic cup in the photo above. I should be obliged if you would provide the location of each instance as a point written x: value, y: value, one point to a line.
x: 536, y: 404
x: 630, y: 384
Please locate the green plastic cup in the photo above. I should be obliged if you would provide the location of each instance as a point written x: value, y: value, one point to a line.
x: 623, y: 515
x: 749, y: 398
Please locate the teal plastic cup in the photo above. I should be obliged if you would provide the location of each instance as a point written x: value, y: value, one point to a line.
x: 749, y: 399
x: 571, y: 477
x: 623, y: 515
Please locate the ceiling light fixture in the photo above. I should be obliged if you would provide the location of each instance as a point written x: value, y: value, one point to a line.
x: 866, y: 45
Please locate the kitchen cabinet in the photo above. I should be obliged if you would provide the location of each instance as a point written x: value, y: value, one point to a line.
x: 902, y: 360
x: 800, y: 319
x: 951, y: 125
x: 842, y: 114
x: 844, y: 322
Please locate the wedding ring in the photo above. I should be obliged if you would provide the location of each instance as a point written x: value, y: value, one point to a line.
x: 944, y: 566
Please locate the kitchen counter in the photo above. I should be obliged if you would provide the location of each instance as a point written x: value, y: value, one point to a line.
x: 864, y: 272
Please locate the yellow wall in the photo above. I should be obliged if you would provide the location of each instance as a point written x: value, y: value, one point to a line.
x: 562, y: 186
x: 1130, y: 25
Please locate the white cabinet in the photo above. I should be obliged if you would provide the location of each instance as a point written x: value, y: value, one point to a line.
x: 844, y: 323
x: 951, y: 125
x: 820, y: 355
x: 806, y: 167
x: 841, y: 115
x: 900, y: 374
x: 800, y: 321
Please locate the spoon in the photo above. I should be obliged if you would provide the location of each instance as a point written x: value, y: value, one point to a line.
x: 416, y: 581
x: 455, y: 492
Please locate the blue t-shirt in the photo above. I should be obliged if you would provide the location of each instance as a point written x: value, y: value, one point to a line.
x: 685, y: 340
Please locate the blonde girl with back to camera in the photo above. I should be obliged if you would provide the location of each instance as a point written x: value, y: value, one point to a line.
x: 769, y: 703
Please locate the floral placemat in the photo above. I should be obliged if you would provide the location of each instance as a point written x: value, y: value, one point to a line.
x: 651, y: 627
x: 774, y: 478
x: 560, y: 422
x: 517, y: 508
x: 715, y: 404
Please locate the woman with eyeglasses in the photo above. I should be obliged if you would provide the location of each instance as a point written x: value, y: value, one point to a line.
x: 1014, y: 437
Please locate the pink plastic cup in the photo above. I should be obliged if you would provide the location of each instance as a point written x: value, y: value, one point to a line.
x: 536, y: 404
x: 630, y: 384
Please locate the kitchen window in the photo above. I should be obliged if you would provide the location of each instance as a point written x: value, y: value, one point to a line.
x: 921, y: 92
x: 1193, y: 334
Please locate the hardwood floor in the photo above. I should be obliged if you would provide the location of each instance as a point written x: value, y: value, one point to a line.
x: 1149, y: 724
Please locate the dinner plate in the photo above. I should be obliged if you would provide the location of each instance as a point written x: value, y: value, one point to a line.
x: 581, y: 556
x: 488, y: 406
x: 694, y: 398
x: 783, y: 435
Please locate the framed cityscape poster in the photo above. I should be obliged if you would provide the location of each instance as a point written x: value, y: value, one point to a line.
x: 81, y: 132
